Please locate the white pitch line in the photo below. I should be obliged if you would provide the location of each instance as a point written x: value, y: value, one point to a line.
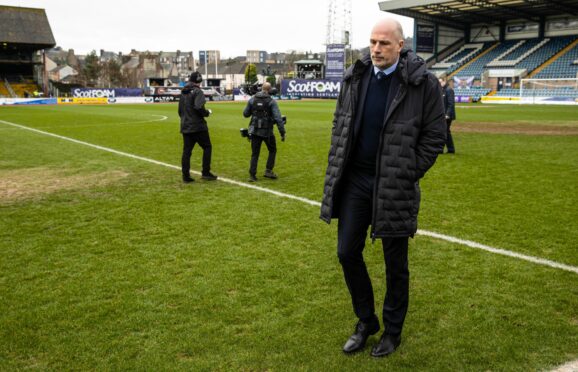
x: 571, y: 366
x: 468, y: 243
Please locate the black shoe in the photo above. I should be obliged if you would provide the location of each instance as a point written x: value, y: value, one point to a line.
x: 188, y: 180
x: 358, y: 339
x: 252, y: 178
x: 387, y: 344
x: 270, y: 174
x: 209, y: 176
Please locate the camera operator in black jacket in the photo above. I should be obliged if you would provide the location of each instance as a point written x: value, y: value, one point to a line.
x: 194, y: 128
x: 264, y: 113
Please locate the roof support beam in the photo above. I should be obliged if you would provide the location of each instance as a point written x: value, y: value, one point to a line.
x: 566, y: 8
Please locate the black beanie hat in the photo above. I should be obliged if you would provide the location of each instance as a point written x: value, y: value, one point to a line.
x: 196, y: 77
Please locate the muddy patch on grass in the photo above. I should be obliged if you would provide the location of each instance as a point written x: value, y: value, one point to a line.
x: 515, y: 128
x: 30, y: 183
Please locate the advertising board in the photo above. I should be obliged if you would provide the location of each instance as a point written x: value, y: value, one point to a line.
x: 27, y: 101
x: 165, y: 98
x: 123, y: 100
x: 83, y: 101
x: 311, y: 88
x: 335, y: 57
x: 107, y: 93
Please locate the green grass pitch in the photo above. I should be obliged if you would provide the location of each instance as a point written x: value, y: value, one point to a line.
x: 111, y: 263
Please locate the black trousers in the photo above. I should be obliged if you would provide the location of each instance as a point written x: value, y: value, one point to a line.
x: 354, y: 220
x: 256, y: 149
x: 189, y: 141
x: 449, y: 139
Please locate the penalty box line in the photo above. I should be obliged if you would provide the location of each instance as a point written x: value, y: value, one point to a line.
x: 451, y: 239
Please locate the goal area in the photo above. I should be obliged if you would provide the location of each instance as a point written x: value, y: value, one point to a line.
x: 561, y: 91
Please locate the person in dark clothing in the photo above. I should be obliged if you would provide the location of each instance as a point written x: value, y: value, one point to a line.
x: 388, y: 129
x: 264, y: 113
x: 194, y: 128
x: 450, y: 109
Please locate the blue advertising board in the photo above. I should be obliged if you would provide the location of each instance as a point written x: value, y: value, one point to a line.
x: 28, y: 101
x: 424, y: 38
x: 106, y: 92
x: 335, y: 61
x: 311, y: 88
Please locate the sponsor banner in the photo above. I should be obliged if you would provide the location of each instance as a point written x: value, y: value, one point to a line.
x: 246, y: 97
x: 289, y: 98
x: 241, y: 97
x: 165, y: 91
x: 311, y: 88
x: 498, y: 99
x: 83, y: 101
x: 28, y: 101
x: 424, y: 38
x: 463, y: 81
x: 107, y: 93
x: 165, y: 98
x: 122, y: 100
x: 335, y: 58
x: 532, y: 100
x: 563, y: 24
x: 462, y: 99
x: 522, y: 27
x: 507, y: 72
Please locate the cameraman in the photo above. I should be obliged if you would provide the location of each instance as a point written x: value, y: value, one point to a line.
x: 194, y: 127
x: 264, y: 113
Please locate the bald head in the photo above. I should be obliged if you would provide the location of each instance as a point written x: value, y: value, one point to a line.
x: 386, y: 42
x: 266, y: 87
x: 391, y: 25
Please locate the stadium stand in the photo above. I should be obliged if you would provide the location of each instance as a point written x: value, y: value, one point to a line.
x: 564, y: 67
x: 462, y: 56
x: 23, y: 32
x: 522, y: 40
x: 477, y: 65
x: 4, y: 90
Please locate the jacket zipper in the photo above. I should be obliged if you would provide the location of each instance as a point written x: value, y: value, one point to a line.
x: 396, y: 101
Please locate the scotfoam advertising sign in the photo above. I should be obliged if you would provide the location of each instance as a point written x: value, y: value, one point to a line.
x: 311, y: 88
x: 106, y: 93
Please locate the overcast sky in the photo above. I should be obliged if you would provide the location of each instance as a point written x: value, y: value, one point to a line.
x: 231, y: 26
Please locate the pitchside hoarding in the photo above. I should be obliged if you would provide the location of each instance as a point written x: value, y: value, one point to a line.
x: 130, y: 100
x: 28, y: 101
x: 106, y: 93
x: 165, y: 91
x: 311, y: 88
x: 335, y: 58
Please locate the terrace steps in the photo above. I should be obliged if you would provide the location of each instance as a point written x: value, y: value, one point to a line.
x: 474, y: 59
x: 553, y: 58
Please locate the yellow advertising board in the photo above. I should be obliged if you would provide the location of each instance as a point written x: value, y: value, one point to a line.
x: 83, y: 101
x: 499, y: 99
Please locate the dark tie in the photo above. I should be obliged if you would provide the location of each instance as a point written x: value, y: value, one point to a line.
x: 380, y: 75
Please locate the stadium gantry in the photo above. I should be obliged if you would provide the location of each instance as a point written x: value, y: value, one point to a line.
x: 498, y: 50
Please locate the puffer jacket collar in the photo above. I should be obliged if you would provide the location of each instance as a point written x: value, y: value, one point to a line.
x: 412, y: 68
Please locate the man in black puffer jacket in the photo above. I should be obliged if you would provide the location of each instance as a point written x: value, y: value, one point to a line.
x: 194, y: 128
x: 388, y: 129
